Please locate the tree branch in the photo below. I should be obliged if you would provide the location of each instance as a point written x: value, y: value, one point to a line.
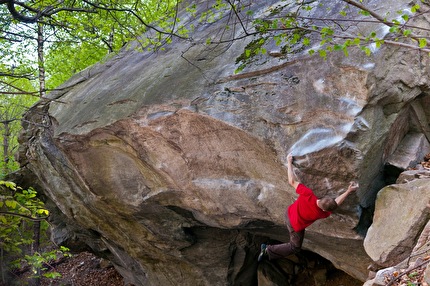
x: 9, y: 74
x: 408, y: 271
x: 372, y: 13
x: 34, y: 93
x: 24, y: 216
x: 17, y: 35
x: 46, y: 12
x: 238, y: 17
x: 377, y: 16
x: 137, y: 17
x: 20, y: 17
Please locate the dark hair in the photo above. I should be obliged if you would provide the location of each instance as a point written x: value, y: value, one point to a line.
x: 328, y: 204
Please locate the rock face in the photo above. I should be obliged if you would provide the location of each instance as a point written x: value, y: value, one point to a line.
x: 389, y: 241
x: 415, y: 260
x: 172, y: 166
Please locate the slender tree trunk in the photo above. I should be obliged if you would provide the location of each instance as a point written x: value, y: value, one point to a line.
x: 6, y: 136
x: 41, y: 61
x: 42, y: 92
x: 35, y: 248
x: 3, y: 279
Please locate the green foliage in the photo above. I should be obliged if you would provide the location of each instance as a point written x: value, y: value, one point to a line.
x: 292, y: 28
x: 81, y: 33
x: 41, y: 261
x: 16, y: 205
x: 253, y: 49
x: 19, y: 210
x: 12, y: 106
x: 64, y: 59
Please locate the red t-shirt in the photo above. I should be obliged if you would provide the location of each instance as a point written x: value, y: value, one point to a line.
x: 304, y: 211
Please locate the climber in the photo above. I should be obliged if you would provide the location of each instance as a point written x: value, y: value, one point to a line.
x: 302, y: 213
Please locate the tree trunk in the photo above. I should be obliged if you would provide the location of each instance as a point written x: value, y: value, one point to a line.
x: 41, y: 61
x: 35, y: 248
x: 3, y: 279
x: 6, y: 136
x: 42, y: 92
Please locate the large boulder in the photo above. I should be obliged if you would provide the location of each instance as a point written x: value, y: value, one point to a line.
x: 400, y: 215
x: 414, y: 260
x: 172, y: 166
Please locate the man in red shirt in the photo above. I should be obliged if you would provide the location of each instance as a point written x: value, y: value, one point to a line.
x: 301, y: 214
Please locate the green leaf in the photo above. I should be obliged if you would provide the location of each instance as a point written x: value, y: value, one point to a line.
x: 52, y: 275
x: 323, y: 54
x: 278, y: 40
x: 239, y: 69
x: 11, y: 204
x: 327, y: 31
x: 10, y: 185
x: 364, y: 13
x: 356, y: 41
x: 379, y: 43
x: 407, y: 32
x: 345, y: 51
x: 367, y: 51
x: 415, y: 8
x: 394, y: 29
x: 42, y: 212
x: 306, y: 41
x: 422, y: 43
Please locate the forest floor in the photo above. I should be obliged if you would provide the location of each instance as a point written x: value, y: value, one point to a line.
x: 85, y: 269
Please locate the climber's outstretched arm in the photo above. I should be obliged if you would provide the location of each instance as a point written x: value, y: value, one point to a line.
x: 291, y: 177
x: 353, y: 186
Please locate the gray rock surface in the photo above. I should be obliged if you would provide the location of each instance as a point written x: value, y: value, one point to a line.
x: 172, y: 166
x: 410, y: 175
x: 401, y: 213
x: 410, y: 152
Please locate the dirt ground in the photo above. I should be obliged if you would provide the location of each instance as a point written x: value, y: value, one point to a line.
x: 85, y: 269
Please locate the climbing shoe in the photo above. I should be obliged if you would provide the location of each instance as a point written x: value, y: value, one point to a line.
x: 263, y: 252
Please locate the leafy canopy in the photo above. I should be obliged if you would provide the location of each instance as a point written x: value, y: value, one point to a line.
x: 76, y: 33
